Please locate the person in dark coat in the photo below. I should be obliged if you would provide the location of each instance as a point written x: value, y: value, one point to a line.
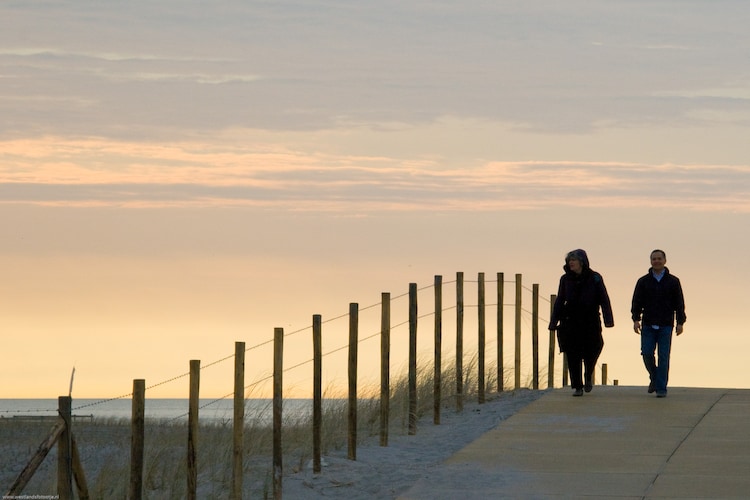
x: 575, y: 316
x: 658, y: 303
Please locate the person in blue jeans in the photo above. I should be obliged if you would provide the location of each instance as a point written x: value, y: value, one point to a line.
x: 658, y: 303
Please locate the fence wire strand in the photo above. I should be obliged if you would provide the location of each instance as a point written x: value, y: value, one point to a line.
x: 300, y: 330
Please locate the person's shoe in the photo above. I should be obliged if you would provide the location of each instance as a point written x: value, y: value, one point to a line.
x: 661, y: 394
x: 578, y: 392
x: 588, y: 387
x: 651, y: 388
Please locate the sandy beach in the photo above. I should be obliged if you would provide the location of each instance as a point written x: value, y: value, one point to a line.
x: 378, y: 472
x: 386, y: 472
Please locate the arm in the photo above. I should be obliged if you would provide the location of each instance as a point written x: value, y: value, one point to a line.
x: 557, y: 308
x: 679, y: 307
x: 606, y: 305
x: 636, y: 308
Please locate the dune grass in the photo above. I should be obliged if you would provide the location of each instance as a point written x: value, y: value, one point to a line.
x: 105, y: 444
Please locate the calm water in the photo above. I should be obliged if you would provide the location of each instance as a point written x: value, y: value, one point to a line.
x: 156, y: 409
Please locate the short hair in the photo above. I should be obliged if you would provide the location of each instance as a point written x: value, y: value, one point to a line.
x: 663, y: 254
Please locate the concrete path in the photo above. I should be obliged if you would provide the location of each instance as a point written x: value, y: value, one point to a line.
x: 615, y: 442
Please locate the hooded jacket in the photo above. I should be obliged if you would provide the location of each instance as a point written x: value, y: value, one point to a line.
x: 575, y: 314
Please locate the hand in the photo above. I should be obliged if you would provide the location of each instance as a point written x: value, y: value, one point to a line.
x: 637, y: 327
x: 678, y: 330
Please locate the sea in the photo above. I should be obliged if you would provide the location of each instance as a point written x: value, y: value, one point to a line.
x: 164, y: 410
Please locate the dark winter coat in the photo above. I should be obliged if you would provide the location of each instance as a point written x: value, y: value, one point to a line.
x: 658, y: 302
x: 575, y: 314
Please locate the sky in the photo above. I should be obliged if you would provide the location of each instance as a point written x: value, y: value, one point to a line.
x: 179, y: 176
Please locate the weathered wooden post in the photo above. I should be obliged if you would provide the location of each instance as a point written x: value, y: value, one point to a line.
x: 459, y: 341
x: 238, y: 434
x: 551, y: 361
x: 500, y: 319
x: 437, y: 377
x: 535, y: 335
x: 412, y: 359
x: 480, y: 338
x: 193, y: 405
x: 138, y: 414
x: 352, y: 414
x: 519, y: 289
x: 317, y: 391
x: 385, y: 364
x: 28, y: 472
x: 278, y: 404
x: 78, y: 476
x: 65, y: 451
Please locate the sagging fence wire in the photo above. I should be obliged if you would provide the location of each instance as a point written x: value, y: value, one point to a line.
x: 308, y: 361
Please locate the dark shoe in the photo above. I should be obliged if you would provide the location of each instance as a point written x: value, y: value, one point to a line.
x: 588, y: 387
x: 578, y: 392
x: 661, y: 394
x: 651, y: 388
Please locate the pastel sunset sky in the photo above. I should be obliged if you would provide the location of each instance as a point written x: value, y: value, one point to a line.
x: 176, y: 176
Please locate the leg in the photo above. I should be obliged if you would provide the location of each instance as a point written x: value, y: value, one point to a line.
x: 648, y: 348
x: 589, y: 365
x: 591, y: 356
x: 664, y: 347
x: 574, y: 367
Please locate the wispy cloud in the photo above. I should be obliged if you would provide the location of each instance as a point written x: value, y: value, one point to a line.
x: 100, y: 173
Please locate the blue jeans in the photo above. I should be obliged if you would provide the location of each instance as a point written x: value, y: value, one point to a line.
x: 657, y: 340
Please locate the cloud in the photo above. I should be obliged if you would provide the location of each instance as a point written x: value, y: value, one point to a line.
x: 101, y: 173
x: 157, y: 70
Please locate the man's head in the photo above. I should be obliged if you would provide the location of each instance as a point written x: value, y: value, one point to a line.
x: 658, y: 260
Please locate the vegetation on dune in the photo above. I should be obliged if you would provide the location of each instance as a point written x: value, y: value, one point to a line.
x: 105, y: 444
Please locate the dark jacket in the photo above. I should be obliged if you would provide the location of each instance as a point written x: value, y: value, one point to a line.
x: 658, y: 302
x: 575, y: 314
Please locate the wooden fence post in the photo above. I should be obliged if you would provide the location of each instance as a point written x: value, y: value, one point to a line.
x: 500, y: 320
x: 238, y: 434
x: 518, y: 331
x: 278, y: 403
x: 137, y: 439
x: 480, y: 339
x: 78, y: 475
x: 28, y: 472
x: 317, y: 391
x: 65, y: 451
x: 535, y: 335
x: 438, y: 379
x: 551, y: 360
x: 352, y: 414
x: 459, y: 341
x: 193, y: 405
x: 385, y: 364
x: 412, y: 359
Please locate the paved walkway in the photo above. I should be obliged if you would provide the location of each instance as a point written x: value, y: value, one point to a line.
x: 615, y: 442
